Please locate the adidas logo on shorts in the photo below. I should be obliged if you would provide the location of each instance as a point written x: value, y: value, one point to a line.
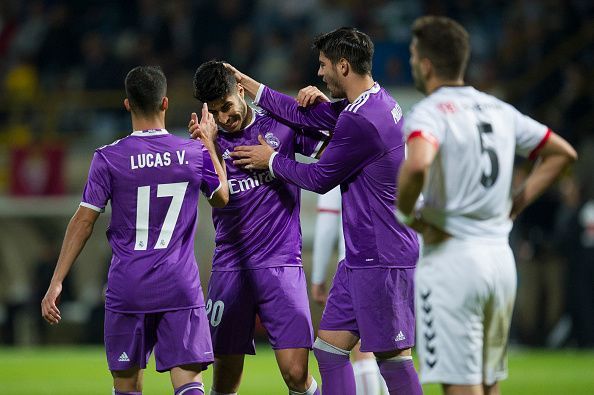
x: 400, y: 337
x: 124, y: 357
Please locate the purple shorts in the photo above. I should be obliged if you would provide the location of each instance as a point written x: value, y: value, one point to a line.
x: 277, y: 294
x: 376, y: 304
x: 179, y: 337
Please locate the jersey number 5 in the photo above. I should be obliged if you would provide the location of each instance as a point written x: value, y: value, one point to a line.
x: 143, y: 198
x: 488, y: 180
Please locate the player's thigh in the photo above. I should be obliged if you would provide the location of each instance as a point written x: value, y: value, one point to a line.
x: 339, y: 314
x: 129, y: 339
x: 227, y: 372
x: 183, y: 339
x: 451, y: 294
x: 498, y: 313
x: 283, y: 306
x: 383, y: 300
x: 231, y: 311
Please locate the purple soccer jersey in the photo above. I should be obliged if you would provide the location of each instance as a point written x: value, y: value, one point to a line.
x: 364, y: 157
x: 152, y: 179
x: 260, y: 225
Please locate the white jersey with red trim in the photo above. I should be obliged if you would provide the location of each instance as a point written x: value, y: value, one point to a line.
x: 467, y: 192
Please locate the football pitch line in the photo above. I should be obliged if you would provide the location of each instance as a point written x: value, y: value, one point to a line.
x: 83, y: 370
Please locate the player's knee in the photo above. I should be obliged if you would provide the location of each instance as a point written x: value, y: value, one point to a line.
x: 127, y: 380
x: 295, y: 376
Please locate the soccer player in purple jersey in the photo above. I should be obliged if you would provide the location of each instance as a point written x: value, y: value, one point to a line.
x: 372, y: 294
x: 153, y: 299
x: 256, y: 267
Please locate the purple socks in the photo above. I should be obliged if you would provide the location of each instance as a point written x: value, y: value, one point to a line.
x: 194, y: 388
x: 400, y: 376
x: 335, y: 368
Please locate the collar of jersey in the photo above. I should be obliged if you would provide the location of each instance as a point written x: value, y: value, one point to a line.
x: 149, y: 132
x: 241, y: 130
x: 374, y: 89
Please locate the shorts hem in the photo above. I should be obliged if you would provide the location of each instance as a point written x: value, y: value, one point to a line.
x: 233, y: 352
x: 383, y: 349
x: 164, y: 310
x: 242, y: 269
x: 204, y: 363
x: 452, y: 379
x: 285, y: 347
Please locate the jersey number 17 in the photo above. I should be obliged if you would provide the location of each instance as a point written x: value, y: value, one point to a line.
x: 143, y: 198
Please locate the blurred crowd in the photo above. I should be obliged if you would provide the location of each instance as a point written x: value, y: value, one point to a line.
x: 62, y: 65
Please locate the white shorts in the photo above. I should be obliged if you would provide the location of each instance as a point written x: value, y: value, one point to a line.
x: 464, y: 299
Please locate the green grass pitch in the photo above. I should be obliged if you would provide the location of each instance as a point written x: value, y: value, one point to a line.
x: 82, y: 370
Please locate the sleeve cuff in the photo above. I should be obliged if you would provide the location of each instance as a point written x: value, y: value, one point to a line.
x: 426, y: 136
x: 92, y: 207
x: 259, y: 94
x: 213, y: 192
x: 534, y: 154
x: 270, y: 163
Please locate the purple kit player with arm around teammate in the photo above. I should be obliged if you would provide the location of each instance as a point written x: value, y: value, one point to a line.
x: 256, y: 266
x: 154, y: 298
x: 372, y: 294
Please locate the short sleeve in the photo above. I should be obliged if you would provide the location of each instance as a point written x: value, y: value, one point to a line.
x: 531, y: 135
x: 421, y: 122
x: 210, y: 180
x: 97, y: 190
x: 309, y: 143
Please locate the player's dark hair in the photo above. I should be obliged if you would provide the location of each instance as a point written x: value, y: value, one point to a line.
x: 146, y: 86
x: 444, y: 42
x: 348, y: 43
x: 213, y: 81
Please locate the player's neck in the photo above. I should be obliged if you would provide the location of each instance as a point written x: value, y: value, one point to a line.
x: 434, y: 84
x: 357, y: 86
x: 146, y: 123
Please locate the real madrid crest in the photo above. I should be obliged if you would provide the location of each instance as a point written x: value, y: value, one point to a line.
x: 272, y: 140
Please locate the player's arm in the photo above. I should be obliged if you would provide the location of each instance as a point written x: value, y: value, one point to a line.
x: 206, y: 131
x: 78, y: 232
x: 420, y: 155
x: 355, y: 143
x: 554, y: 156
x: 311, y: 109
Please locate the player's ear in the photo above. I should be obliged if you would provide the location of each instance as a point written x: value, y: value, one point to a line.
x: 240, y: 89
x: 343, y: 67
x: 164, y: 103
x: 426, y: 68
x: 127, y: 104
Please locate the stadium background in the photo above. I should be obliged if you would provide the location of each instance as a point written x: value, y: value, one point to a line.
x: 62, y: 65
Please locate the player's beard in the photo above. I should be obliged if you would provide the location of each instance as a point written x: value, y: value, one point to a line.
x: 336, y: 91
x: 418, y: 79
x: 245, y: 115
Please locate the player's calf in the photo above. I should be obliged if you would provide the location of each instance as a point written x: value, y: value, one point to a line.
x: 335, y: 368
x: 399, y: 372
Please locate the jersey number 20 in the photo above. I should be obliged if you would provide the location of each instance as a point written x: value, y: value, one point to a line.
x: 488, y: 180
x: 143, y: 198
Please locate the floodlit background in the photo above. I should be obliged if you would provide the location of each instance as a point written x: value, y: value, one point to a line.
x: 62, y: 67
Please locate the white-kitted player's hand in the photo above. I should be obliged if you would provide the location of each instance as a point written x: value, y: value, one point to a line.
x: 310, y: 95
x: 319, y: 293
